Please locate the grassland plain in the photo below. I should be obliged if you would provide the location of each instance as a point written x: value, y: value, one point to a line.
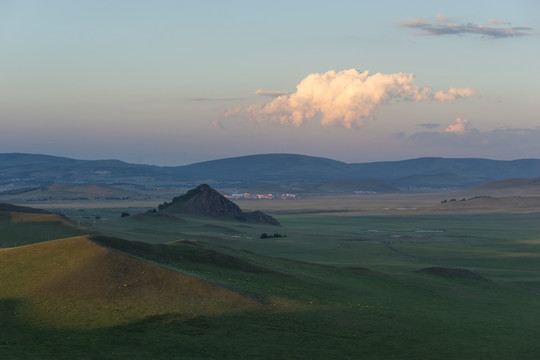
x: 343, y: 284
x: 303, y: 310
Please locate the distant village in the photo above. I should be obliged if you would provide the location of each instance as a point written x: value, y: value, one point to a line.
x: 237, y: 196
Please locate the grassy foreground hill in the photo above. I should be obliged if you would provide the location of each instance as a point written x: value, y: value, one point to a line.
x: 337, y: 287
x: 75, y: 283
x: 73, y: 298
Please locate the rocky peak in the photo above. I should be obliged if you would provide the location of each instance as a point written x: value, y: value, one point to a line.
x: 205, y: 201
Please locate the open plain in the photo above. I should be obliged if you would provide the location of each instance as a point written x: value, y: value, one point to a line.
x: 402, y: 276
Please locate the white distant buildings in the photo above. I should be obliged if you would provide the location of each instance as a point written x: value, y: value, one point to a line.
x: 246, y: 195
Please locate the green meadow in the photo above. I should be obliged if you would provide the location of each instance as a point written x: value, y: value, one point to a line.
x: 335, y: 285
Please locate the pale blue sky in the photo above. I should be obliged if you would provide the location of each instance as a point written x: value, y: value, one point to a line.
x: 152, y: 81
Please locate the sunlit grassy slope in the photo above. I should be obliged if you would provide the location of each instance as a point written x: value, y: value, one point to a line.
x: 75, y: 283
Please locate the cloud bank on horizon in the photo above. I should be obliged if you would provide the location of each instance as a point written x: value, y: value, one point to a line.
x: 442, y: 26
x: 344, y: 98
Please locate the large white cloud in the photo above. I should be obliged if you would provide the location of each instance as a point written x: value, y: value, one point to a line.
x: 345, y: 98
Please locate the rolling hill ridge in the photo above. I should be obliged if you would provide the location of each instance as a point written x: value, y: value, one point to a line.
x: 284, y: 170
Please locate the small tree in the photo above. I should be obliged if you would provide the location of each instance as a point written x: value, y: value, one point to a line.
x: 264, y: 236
x: 163, y: 206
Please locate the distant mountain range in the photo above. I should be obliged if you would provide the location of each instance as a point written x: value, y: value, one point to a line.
x: 284, y: 171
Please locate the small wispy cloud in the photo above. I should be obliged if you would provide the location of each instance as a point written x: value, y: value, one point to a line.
x: 200, y: 99
x: 211, y: 99
x: 459, y: 127
x: 270, y: 93
x: 218, y: 124
x: 442, y: 25
x: 453, y: 93
x: 499, y: 22
x: 429, y: 125
x: 344, y: 98
x: 442, y: 18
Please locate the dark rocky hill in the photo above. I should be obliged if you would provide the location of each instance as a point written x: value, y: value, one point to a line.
x: 205, y: 201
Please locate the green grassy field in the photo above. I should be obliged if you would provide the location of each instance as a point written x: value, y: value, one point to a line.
x: 504, y: 247
x: 342, y: 285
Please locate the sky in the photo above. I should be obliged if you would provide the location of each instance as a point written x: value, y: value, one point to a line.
x: 177, y: 82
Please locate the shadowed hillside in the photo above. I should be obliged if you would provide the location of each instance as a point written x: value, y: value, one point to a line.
x: 180, y: 253
x: 20, y: 225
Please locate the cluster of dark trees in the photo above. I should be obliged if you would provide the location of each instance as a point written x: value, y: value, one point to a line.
x: 267, y: 236
x: 445, y: 201
x: 473, y: 198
